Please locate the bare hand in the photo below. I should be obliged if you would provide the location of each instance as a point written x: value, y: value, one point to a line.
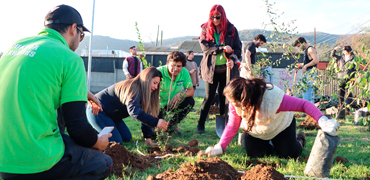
x: 95, y: 107
x: 128, y: 77
x: 149, y: 141
x: 228, y: 49
x: 304, y: 68
x: 197, y: 83
x: 230, y: 64
x: 102, y: 142
x: 192, y: 71
x: 175, y: 100
x: 162, y: 124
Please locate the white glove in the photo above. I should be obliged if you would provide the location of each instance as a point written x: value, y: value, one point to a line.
x: 330, y: 126
x: 214, y: 151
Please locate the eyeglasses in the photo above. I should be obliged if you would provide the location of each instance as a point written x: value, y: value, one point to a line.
x: 216, y: 17
x: 82, y: 35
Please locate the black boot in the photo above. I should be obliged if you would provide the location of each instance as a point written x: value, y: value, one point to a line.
x: 301, y: 138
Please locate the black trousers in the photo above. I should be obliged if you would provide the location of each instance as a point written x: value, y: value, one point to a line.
x: 180, y: 112
x: 285, y: 144
x: 342, y: 93
x: 219, y: 80
x: 78, y: 163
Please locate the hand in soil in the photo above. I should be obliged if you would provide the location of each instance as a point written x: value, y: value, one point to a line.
x: 102, y: 142
x: 149, y: 141
x: 162, y: 124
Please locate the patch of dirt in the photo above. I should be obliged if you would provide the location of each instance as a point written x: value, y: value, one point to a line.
x: 309, y: 123
x: 212, y: 110
x: 215, y: 168
x: 299, y: 115
x: 341, y: 159
x: 262, y: 172
x: 256, y: 162
x: 211, y: 168
x: 187, y: 150
x: 123, y: 158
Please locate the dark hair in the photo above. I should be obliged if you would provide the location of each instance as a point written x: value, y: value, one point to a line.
x: 188, y: 53
x: 132, y: 47
x: 299, y: 41
x: 249, y: 93
x: 348, y: 48
x: 61, y: 28
x: 210, y: 28
x: 176, y: 56
x: 261, y: 37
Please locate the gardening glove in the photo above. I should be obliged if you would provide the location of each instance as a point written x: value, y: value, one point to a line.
x: 214, y: 151
x: 330, y: 126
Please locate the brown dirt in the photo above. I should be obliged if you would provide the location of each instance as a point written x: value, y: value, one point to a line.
x: 213, y: 110
x: 212, y: 168
x: 341, y: 159
x: 193, y: 142
x: 262, y: 172
x: 187, y: 150
x: 215, y: 168
x: 309, y: 123
x: 123, y: 158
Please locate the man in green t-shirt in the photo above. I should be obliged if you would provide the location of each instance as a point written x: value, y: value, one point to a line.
x: 37, y: 75
x: 178, y: 97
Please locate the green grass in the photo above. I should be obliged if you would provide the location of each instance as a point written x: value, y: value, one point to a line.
x: 354, y: 145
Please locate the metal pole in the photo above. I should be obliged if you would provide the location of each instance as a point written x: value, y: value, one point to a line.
x: 90, y: 49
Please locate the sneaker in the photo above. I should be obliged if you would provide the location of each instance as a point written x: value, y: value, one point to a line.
x: 301, y: 138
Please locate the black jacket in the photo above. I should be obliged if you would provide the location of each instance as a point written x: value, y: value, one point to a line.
x: 210, y: 51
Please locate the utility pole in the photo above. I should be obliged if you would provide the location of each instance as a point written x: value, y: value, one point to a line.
x: 314, y: 38
x: 161, y: 37
x: 156, y: 41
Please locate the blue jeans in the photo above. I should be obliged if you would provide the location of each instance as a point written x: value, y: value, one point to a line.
x: 308, y: 95
x: 120, y: 133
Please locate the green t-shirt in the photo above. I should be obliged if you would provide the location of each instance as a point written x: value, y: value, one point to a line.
x: 181, y: 82
x: 220, y: 59
x: 37, y: 75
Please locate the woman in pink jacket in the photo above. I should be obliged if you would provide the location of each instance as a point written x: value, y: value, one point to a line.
x: 266, y: 115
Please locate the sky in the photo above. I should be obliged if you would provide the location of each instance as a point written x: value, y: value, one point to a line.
x: 116, y: 18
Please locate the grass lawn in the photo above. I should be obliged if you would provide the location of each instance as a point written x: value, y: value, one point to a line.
x: 354, y: 145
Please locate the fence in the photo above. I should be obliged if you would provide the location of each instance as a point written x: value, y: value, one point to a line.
x: 332, y: 85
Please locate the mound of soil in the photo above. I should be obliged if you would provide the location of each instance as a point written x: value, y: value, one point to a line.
x: 215, y: 168
x: 262, y: 172
x: 193, y: 142
x: 341, y: 159
x: 212, y: 168
x: 213, y: 110
x: 122, y: 157
x: 309, y: 123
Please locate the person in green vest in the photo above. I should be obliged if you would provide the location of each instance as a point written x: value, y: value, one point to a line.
x: 177, y: 99
x: 37, y: 75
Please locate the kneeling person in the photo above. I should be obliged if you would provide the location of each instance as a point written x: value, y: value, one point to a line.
x: 181, y: 102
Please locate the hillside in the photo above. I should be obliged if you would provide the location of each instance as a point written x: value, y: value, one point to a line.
x: 101, y: 42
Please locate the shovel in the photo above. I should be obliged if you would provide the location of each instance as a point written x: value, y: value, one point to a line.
x: 221, y: 120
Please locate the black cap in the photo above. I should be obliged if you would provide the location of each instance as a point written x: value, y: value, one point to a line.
x: 64, y: 14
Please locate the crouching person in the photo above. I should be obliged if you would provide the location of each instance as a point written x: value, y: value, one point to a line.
x: 137, y: 97
x: 181, y: 102
x: 266, y: 115
x: 37, y: 75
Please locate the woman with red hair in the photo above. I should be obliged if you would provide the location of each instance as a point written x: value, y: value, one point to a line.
x: 218, y: 35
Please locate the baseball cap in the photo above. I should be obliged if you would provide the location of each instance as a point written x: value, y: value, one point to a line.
x: 64, y: 14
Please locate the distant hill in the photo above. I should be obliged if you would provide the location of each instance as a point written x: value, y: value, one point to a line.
x: 101, y: 42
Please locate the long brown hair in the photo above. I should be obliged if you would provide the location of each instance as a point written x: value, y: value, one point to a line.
x: 249, y: 93
x: 127, y: 89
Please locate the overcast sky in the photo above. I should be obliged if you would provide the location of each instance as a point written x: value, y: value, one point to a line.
x: 116, y: 18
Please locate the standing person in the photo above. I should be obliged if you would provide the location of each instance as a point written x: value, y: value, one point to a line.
x: 347, y: 57
x: 310, y: 60
x: 267, y: 73
x: 218, y: 35
x: 137, y: 97
x: 192, y: 67
x: 266, y: 115
x: 251, y: 55
x: 132, y: 65
x: 180, y: 102
x: 37, y: 75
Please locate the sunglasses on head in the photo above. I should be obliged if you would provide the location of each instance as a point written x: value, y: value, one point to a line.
x: 216, y: 17
x: 82, y: 35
